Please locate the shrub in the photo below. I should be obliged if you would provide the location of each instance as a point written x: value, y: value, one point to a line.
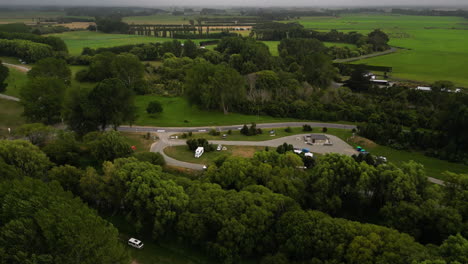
x: 154, y: 107
x: 324, y: 130
x: 288, y: 130
x: 229, y: 132
x: 213, y: 132
x: 306, y: 128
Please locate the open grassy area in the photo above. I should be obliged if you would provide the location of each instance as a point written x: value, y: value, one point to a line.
x: 16, y: 79
x: 177, y: 110
x: 437, y: 45
x: 139, y: 141
x: 78, y: 40
x: 184, y: 154
x: 10, y: 116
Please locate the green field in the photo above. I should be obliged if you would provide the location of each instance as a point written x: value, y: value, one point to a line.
x: 437, y: 45
x: 25, y: 16
x: 78, y: 40
x: 177, y: 109
x: 273, y: 46
x: 10, y: 116
x: 16, y: 79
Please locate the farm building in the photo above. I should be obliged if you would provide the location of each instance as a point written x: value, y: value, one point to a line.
x: 317, y: 139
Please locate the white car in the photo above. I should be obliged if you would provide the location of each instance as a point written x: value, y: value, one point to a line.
x: 219, y: 148
x: 135, y: 243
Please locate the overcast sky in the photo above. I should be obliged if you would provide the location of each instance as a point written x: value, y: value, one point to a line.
x: 264, y: 3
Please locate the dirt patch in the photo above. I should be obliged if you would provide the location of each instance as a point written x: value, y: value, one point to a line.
x: 364, y: 142
x: 135, y: 262
x: 244, y: 151
x: 77, y: 25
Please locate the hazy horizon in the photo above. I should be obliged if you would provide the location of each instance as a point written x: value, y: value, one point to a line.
x: 241, y: 3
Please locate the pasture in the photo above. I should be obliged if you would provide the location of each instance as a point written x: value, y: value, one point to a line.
x: 435, y: 46
x: 10, y: 116
x: 178, y: 112
x: 78, y: 40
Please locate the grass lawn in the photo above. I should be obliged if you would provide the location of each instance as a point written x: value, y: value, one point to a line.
x: 434, y: 167
x: 16, y: 79
x: 184, y: 154
x: 77, y: 40
x: 437, y: 44
x: 177, y: 109
x: 10, y: 116
x: 138, y: 140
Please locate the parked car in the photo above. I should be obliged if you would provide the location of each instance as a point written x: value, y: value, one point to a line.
x: 135, y: 243
x: 219, y: 148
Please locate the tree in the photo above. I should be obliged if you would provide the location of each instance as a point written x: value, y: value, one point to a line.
x: 107, y: 146
x: 64, y: 149
x: 3, y: 76
x: 358, y: 80
x: 100, y: 67
x: 26, y: 158
x: 151, y: 157
x: 378, y: 39
x: 79, y: 111
x: 54, y: 227
x: 51, y: 68
x: 455, y: 248
x: 190, y: 49
x: 42, y: 99
x: 229, y: 87
x: 68, y: 177
x: 154, y: 107
x: 128, y: 68
x: 111, y: 104
x: 37, y: 133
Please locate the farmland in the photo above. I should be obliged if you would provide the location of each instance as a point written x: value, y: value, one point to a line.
x: 78, y: 40
x: 435, y: 47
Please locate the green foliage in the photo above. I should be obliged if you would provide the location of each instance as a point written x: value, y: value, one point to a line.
x: 68, y: 177
x: 27, y: 159
x: 455, y: 248
x: 378, y: 39
x: 111, y: 103
x: 154, y: 107
x: 107, y: 146
x: 151, y: 157
x: 37, y: 133
x: 3, y: 76
x: 128, y: 68
x: 190, y: 49
x: 42, y: 99
x: 25, y: 49
x: 51, y: 68
x: 56, y: 43
x: 52, y: 227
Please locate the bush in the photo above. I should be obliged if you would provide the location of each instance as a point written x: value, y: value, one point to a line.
x: 151, y: 157
x: 154, y: 107
x: 190, y: 133
x: 288, y: 130
x: 324, y: 130
x: 229, y: 132
x: 306, y: 128
x: 213, y: 132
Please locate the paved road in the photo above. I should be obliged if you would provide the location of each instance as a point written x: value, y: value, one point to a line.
x: 391, y: 50
x: 18, y: 67
x: 7, y: 97
x: 226, y: 128
x: 339, y: 146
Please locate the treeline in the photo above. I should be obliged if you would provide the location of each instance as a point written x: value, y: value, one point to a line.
x: 219, y: 35
x: 430, y: 12
x: 111, y: 24
x: 260, y: 208
x: 110, y: 11
x: 25, y: 49
x: 56, y: 43
x: 374, y: 41
x: 275, y: 14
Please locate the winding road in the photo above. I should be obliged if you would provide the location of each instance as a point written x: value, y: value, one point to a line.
x: 339, y: 146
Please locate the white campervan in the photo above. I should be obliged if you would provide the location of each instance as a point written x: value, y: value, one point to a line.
x: 199, y: 151
x: 135, y: 243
